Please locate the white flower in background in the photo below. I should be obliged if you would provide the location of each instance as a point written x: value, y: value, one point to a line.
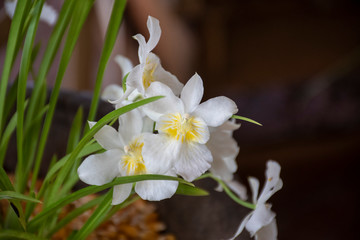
x: 150, y: 70
x: 183, y: 127
x: 123, y: 157
x: 125, y: 64
x: 261, y: 222
x: 224, y: 150
x: 48, y: 13
x: 114, y: 92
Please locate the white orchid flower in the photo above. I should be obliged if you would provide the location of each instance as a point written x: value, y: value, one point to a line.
x: 48, y: 13
x: 224, y: 150
x: 183, y: 126
x: 124, y: 63
x: 123, y: 157
x: 114, y: 93
x: 261, y: 222
x: 150, y: 70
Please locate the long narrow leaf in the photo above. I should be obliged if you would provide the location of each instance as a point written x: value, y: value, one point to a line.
x: 75, y: 130
x: 110, y: 38
x: 6, y: 185
x: 18, y: 196
x: 96, y: 218
x: 4, y: 141
x: 36, y: 221
x: 246, y: 119
x: 106, y: 119
x: 89, y: 149
x: 49, y: 55
x: 185, y: 189
x: 80, y: 14
x: 12, y: 234
x: 74, y: 214
x: 23, y: 76
x: 14, y: 34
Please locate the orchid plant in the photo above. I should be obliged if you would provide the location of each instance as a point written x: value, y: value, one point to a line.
x: 166, y: 139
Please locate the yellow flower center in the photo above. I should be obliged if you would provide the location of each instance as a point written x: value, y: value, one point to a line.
x: 148, y: 73
x: 185, y: 128
x: 133, y: 161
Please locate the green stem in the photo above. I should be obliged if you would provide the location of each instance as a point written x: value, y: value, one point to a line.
x: 228, y: 191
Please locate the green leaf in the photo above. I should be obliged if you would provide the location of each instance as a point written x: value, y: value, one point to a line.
x: 23, y: 76
x: 12, y: 234
x: 96, y: 217
x: 184, y: 189
x: 49, y: 55
x: 4, y: 141
x: 124, y: 82
x: 246, y: 119
x: 110, y: 38
x: 51, y: 209
x: 14, y: 34
x: 10, y: 100
x: 102, y: 122
x: 75, y: 130
x: 74, y: 214
x: 124, y: 204
x: 89, y: 149
x: 5, y: 183
x: 18, y: 196
x: 80, y: 14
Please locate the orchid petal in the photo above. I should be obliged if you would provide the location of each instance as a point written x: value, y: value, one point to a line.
x: 169, y: 104
x: 99, y: 169
x: 268, y: 232
x: 216, y: 111
x: 254, y: 186
x: 229, y: 126
x: 148, y: 125
x: 10, y: 8
x: 238, y: 188
x: 124, y: 63
x: 130, y: 125
x: 142, y: 52
x: 224, y: 149
x: 153, y: 26
x: 241, y: 226
x: 159, y: 153
x: 192, y: 93
x: 156, y: 190
x: 261, y: 217
x: 193, y: 160
x: 194, y: 130
x: 161, y: 75
x: 112, y: 92
x: 121, y: 193
x: 273, y: 182
x: 108, y: 137
x: 48, y: 14
x: 134, y: 80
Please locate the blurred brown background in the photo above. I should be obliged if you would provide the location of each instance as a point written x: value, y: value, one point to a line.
x: 294, y: 66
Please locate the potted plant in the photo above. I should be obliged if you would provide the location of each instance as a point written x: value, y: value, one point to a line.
x: 166, y: 138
